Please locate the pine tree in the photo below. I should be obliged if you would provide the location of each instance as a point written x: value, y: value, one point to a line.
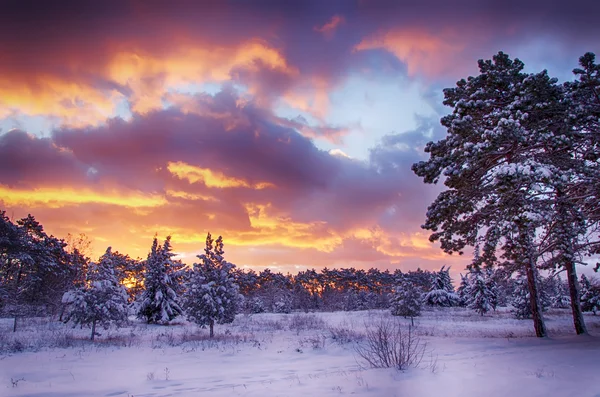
x: 590, y: 296
x: 463, y: 290
x: 101, y: 301
x: 480, y: 296
x: 502, y: 181
x: 559, y: 297
x: 442, y: 292
x: 212, y: 296
x: 159, y: 301
x: 406, y: 300
x: 35, y: 269
x: 492, y: 287
x: 128, y: 271
x: 520, y: 299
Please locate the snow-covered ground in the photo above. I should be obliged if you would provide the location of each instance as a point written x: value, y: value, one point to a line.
x: 301, y: 355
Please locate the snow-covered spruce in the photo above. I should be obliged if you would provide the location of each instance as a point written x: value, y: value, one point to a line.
x: 479, y: 296
x: 406, y: 300
x: 442, y: 292
x: 159, y: 303
x: 102, y: 300
x: 590, y: 295
x: 212, y: 296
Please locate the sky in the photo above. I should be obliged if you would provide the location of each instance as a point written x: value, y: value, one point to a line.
x: 287, y: 127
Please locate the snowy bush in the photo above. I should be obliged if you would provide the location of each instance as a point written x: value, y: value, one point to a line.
x: 344, y: 335
x: 302, y: 322
x: 282, y: 305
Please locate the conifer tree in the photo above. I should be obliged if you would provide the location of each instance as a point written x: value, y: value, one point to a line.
x: 463, y: 290
x: 501, y: 180
x: 159, y: 301
x: 590, y: 295
x: 520, y: 301
x: 102, y: 300
x: 559, y: 294
x: 442, y: 292
x: 212, y: 296
x: 492, y: 287
x: 406, y: 300
x: 480, y: 296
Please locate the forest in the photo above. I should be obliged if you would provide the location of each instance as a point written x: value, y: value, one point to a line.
x: 520, y: 164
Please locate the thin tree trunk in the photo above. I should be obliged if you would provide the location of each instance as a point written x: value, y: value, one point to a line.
x: 578, y: 320
x: 534, y: 297
x: 211, y: 326
x: 93, y: 330
x: 15, y: 324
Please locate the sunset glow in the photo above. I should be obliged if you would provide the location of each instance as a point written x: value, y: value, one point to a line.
x: 290, y: 132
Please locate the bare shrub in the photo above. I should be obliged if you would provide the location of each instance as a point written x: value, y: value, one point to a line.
x: 302, y: 322
x: 388, y: 344
x: 162, y: 339
x: 316, y: 342
x: 343, y: 335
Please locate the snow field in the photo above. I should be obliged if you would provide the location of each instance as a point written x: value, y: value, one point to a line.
x: 301, y: 354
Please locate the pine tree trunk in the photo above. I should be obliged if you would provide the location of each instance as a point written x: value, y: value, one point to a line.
x: 534, y: 297
x: 15, y: 324
x: 211, y: 326
x: 578, y: 320
x: 93, y: 329
x: 569, y: 265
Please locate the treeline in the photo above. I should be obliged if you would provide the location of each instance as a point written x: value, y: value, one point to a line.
x: 41, y: 275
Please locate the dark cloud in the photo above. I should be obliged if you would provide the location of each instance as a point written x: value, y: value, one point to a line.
x: 29, y: 161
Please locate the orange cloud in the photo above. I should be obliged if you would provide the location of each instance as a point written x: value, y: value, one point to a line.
x: 423, y: 52
x: 190, y: 196
x: 331, y: 26
x: 150, y: 76
x: 56, y: 197
x: 76, y: 104
x: 311, y: 97
x: 212, y: 179
x: 147, y: 76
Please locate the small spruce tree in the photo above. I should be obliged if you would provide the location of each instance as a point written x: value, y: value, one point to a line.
x: 100, y: 301
x: 442, y: 292
x: 520, y: 299
x: 212, y: 295
x: 463, y: 290
x: 159, y: 301
x: 480, y: 297
x: 590, y: 296
x: 406, y: 300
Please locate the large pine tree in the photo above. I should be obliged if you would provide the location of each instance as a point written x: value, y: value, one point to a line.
x: 212, y: 296
x: 501, y: 162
